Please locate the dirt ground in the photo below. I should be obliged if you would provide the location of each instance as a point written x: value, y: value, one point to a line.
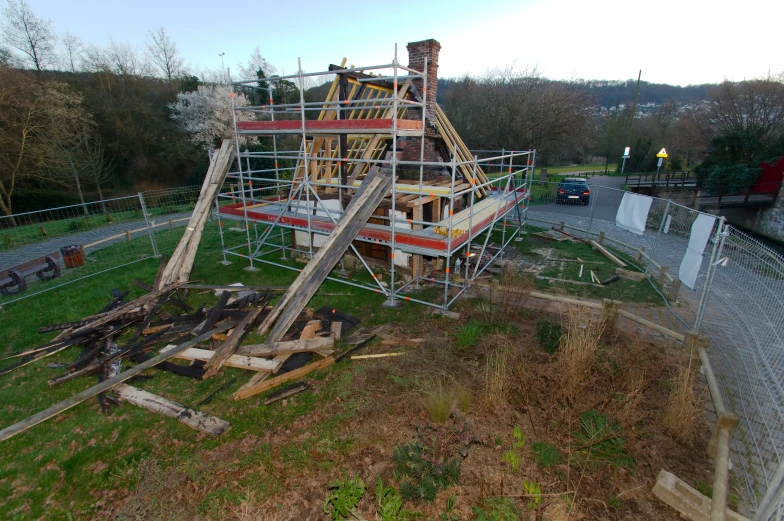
x: 354, y: 432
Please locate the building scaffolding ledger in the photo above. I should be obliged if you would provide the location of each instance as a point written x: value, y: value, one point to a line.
x: 441, y: 223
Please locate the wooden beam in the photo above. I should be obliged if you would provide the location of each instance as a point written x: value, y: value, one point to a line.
x: 251, y: 363
x: 247, y: 392
x: 104, y: 386
x: 601, y: 249
x: 152, y: 402
x: 289, y: 347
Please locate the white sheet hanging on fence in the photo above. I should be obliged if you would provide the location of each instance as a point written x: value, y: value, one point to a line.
x: 633, y: 212
x: 692, y: 260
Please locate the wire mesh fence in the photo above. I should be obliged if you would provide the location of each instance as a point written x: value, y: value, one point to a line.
x: 43, y: 250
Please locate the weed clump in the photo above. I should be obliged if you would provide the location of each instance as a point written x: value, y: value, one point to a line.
x: 577, y: 349
x: 601, y: 441
x: 497, y: 377
x: 497, y: 509
x: 437, y: 400
x: 548, y: 334
x: 344, y: 498
x: 684, y: 405
x: 432, y: 462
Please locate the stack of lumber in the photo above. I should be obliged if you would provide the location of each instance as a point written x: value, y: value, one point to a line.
x: 181, y: 262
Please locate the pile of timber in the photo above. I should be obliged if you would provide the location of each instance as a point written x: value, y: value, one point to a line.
x: 159, y: 327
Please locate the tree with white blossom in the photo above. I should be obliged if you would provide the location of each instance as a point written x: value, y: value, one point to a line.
x: 206, y: 114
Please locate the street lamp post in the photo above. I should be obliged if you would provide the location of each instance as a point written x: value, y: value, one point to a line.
x: 223, y: 67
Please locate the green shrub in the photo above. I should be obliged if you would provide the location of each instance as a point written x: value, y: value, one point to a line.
x: 390, y: 504
x: 534, y: 492
x: 548, y: 334
x: 432, y: 462
x: 546, y: 454
x: 469, y: 334
x: 601, y: 441
x: 344, y: 498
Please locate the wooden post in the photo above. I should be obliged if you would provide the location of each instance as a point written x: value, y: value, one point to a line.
x: 128, y: 234
x: 171, y: 224
x: 601, y: 238
x: 723, y: 432
x: 663, y: 274
x: 609, y: 313
x: 674, y: 290
x: 562, y: 225
x: 495, y: 288
x: 639, y: 254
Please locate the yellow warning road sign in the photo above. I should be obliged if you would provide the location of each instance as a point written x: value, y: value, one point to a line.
x: 662, y: 153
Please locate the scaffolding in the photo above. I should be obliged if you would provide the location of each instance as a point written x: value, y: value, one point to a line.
x: 437, y: 232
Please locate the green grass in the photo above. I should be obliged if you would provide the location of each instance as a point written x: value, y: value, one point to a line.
x: 591, y: 167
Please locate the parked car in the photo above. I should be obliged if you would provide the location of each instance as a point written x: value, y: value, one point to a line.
x: 573, y: 190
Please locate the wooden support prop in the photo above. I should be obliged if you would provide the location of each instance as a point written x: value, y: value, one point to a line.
x: 289, y: 347
x: 227, y: 348
x: 247, y: 392
x: 601, y: 249
x: 104, y: 386
x: 647, y: 323
x: 180, y: 265
x: 371, y: 192
x: 194, y: 419
x: 251, y: 363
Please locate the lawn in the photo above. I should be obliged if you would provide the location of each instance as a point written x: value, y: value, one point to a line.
x: 591, y: 167
x: 526, y: 438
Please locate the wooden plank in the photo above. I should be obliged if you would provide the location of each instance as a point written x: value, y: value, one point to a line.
x: 287, y: 347
x: 382, y: 355
x: 255, y: 380
x: 601, y: 249
x: 370, y: 194
x: 251, y: 363
x: 227, y: 348
x: 104, y: 386
x: 287, y: 377
x: 152, y: 402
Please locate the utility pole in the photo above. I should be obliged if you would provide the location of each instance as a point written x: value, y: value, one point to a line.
x: 223, y: 67
x: 632, y: 115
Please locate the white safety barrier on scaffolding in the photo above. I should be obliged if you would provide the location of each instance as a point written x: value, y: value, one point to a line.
x: 701, y: 231
x: 633, y: 212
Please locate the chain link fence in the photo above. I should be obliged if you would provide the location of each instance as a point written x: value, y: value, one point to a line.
x: 739, y: 292
x: 46, y: 249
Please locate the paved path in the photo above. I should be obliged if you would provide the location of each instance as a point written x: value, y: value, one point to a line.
x: 27, y: 252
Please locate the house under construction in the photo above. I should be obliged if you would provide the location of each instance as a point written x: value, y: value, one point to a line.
x: 432, y: 225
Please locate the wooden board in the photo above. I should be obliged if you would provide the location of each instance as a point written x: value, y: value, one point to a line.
x: 287, y: 347
x: 152, y: 402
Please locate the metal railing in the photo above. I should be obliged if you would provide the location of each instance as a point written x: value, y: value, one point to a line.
x: 46, y: 249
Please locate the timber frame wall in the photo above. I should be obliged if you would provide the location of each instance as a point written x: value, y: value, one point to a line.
x: 288, y: 207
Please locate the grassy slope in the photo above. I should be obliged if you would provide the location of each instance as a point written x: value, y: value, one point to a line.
x: 62, y: 467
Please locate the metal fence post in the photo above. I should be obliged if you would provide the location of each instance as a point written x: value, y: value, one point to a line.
x: 658, y: 234
x: 718, y: 247
x: 593, y: 206
x: 150, y: 230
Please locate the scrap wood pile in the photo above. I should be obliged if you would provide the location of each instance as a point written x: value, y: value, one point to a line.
x: 160, y: 326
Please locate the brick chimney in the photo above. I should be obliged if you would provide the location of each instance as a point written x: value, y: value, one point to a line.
x: 417, y: 52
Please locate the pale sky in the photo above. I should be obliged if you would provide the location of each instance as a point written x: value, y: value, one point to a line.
x: 678, y: 42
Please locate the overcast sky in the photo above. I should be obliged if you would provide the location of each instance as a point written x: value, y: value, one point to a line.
x: 677, y: 42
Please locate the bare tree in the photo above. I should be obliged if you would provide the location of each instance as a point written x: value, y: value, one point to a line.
x: 29, y: 34
x: 73, y: 50
x: 164, y: 54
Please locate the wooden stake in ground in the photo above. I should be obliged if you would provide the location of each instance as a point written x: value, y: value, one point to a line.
x: 152, y: 402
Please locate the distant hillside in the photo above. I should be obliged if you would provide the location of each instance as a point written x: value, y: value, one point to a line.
x: 609, y: 93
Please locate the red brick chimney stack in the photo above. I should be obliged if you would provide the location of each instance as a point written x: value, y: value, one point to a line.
x: 417, y: 52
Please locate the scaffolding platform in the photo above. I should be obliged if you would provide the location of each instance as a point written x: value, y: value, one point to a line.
x: 427, y: 241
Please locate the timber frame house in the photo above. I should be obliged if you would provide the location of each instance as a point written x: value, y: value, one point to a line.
x: 436, y: 217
